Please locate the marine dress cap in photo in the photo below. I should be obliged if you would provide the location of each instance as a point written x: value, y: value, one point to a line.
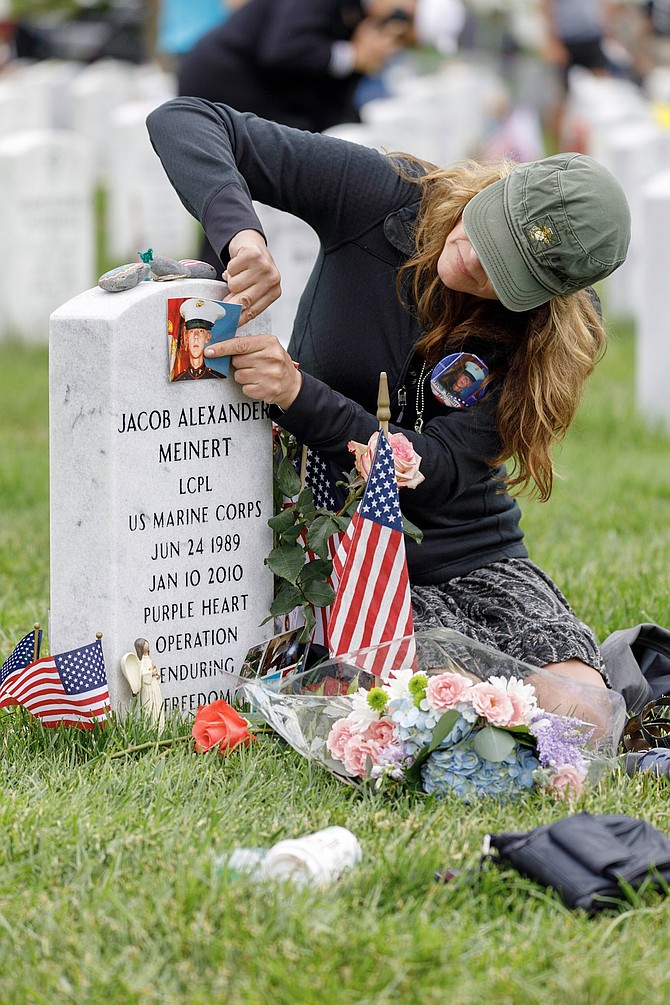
x: 550, y: 227
x: 198, y: 313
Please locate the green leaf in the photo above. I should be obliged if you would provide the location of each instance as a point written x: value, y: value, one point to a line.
x: 320, y: 531
x: 287, y: 598
x: 288, y: 479
x: 305, y: 503
x: 310, y: 621
x: 287, y: 561
x: 443, y: 727
x: 286, y: 518
x: 411, y: 530
x: 290, y: 536
x: 313, y: 581
x: 493, y: 744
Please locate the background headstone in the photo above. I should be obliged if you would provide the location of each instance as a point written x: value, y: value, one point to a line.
x: 653, y: 327
x: 160, y: 496
x: 294, y: 247
x: 47, y: 228
x: 143, y: 209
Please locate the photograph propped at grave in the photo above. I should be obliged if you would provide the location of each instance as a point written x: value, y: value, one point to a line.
x: 192, y: 323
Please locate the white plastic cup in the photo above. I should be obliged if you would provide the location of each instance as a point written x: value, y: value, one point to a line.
x: 317, y: 858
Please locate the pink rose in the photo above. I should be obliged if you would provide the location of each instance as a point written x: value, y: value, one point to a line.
x: 362, y: 455
x: 493, y: 703
x: 446, y: 690
x: 356, y: 754
x: 381, y: 731
x: 219, y: 725
x: 338, y: 738
x: 405, y: 459
x: 567, y: 782
x: 521, y: 709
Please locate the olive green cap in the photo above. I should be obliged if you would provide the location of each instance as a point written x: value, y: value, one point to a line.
x: 552, y: 226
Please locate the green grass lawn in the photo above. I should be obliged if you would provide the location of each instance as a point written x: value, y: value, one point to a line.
x: 109, y: 887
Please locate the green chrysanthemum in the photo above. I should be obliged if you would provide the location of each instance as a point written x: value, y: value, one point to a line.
x: 377, y: 699
x: 417, y: 687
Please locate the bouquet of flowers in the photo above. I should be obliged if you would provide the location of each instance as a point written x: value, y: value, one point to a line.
x: 463, y: 720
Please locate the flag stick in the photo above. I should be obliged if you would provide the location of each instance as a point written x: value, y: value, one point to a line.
x: 383, y: 403
x: 303, y: 466
x: 36, y: 640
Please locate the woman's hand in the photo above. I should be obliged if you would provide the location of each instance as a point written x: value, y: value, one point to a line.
x: 252, y: 276
x: 263, y: 368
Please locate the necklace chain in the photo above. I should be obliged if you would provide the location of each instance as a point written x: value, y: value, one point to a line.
x: 420, y: 399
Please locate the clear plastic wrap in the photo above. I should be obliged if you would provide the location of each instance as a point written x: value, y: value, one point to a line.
x: 305, y: 706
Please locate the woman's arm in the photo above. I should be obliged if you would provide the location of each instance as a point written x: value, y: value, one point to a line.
x: 220, y: 160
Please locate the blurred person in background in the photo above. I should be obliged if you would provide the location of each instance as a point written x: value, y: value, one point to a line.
x: 576, y: 32
x: 182, y: 22
x: 297, y: 62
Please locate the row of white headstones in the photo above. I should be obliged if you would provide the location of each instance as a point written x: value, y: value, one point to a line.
x: 160, y: 490
x: 69, y: 131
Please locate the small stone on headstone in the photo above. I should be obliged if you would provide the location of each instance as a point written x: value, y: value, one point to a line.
x: 125, y: 277
x: 199, y: 270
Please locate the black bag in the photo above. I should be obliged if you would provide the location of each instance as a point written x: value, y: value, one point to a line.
x: 637, y: 663
x: 587, y: 858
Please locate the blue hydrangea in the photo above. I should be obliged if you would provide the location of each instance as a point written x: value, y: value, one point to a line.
x: 414, y: 726
x: 460, y: 770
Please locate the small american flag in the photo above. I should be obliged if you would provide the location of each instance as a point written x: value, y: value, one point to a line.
x: 24, y: 653
x: 68, y: 689
x: 373, y: 602
x: 319, y: 478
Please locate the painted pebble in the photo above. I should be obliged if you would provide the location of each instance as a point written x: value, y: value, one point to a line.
x: 164, y: 269
x: 199, y: 270
x: 125, y: 277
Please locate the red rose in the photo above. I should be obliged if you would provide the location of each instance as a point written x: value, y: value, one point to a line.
x: 219, y: 725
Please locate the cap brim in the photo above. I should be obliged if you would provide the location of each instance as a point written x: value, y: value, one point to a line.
x: 485, y: 222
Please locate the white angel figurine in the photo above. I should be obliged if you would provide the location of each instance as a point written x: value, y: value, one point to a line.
x: 143, y: 678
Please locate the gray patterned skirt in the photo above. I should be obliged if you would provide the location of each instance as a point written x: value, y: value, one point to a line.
x: 511, y: 606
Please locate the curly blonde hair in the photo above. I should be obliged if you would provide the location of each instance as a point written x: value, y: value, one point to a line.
x: 553, y: 348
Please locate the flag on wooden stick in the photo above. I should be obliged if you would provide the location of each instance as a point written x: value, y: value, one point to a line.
x: 68, y: 689
x: 373, y: 602
x: 327, y: 495
x: 25, y: 652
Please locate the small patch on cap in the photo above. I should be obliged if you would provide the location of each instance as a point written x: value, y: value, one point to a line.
x: 542, y: 235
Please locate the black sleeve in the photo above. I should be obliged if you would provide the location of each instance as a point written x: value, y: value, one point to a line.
x: 455, y: 448
x: 298, y: 36
x: 219, y: 160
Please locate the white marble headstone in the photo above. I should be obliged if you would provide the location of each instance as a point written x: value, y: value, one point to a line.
x: 143, y: 209
x: 652, y: 363
x: 95, y: 93
x: 22, y: 107
x: 160, y: 496
x: 294, y: 246
x: 47, y: 227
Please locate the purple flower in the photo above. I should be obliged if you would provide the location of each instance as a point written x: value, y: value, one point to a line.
x: 560, y: 739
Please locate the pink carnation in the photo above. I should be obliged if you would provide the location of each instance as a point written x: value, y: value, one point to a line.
x: 446, y: 690
x: 521, y: 709
x: 405, y: 459
x: 382, y: 731
x: 493, y: 703
x: 338, y: 738
x: 356, y: 753
x: 567, y: 782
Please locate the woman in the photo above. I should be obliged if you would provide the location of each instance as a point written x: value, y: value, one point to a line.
x: 416, y: 263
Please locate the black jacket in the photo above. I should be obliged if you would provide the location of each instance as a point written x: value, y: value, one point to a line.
x: 350, y: 324
x: 271, y: 57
